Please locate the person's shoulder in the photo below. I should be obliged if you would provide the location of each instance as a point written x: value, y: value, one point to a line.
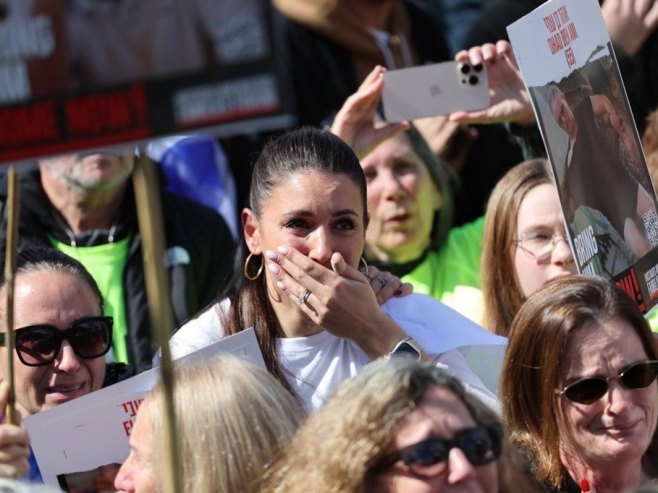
x: 117, y: 372
x: 471, y: 231
x: 201, y: 331
x: 208, y: 319
x: 430, y: 315
x: 416, y: 308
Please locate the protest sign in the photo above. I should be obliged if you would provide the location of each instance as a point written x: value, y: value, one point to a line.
x: 80, y: 440
x: 608, y: 201
x: 79, y: 74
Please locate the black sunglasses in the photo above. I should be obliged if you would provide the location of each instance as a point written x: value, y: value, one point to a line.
x: 38, y: 345
x: 481, y: 445
x: 591, y: 389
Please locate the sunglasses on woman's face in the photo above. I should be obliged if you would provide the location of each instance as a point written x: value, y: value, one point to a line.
x: 39, y: 345
x: 481, y: 445
x: 591, y: 389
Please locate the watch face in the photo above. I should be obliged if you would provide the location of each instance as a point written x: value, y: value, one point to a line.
x: 406, y: 349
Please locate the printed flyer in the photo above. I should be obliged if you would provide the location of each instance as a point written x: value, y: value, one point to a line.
x: 82, y: 443
x: 608, y: 201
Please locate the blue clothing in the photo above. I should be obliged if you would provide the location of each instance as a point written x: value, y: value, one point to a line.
x: 34, y: 474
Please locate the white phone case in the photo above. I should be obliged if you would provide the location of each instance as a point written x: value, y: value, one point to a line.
x: 437, y: 89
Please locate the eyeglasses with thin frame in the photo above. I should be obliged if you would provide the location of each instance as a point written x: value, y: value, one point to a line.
x: 428, y: 458
x: 591, y: 389
x: 539, y: 245
x: 39, y: 345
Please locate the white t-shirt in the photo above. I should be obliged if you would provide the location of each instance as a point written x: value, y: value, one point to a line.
x: 316, y: 364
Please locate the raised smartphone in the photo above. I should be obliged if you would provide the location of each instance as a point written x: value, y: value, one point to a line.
x: 436, y: 89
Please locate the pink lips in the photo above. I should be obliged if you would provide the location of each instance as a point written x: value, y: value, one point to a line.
x: 399, y: 218
x: 621, y: 430
x: 64, y: 392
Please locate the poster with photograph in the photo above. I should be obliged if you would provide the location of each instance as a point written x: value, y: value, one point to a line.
x: 77, y: 74
x: 608, y: 201
x: 79, y: 445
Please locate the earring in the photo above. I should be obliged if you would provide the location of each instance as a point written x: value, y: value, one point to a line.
x: 365, y: 265
x: 246, y: 268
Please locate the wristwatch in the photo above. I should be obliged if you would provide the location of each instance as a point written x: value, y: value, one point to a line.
x: 406, y: 347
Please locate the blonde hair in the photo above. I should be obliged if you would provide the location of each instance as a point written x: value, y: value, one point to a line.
x: 232, y: 419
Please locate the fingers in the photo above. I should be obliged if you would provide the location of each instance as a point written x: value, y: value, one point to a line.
x: 374, y: 75
x: 385, y: 285
x: 481, y: 116
x: 487, y: 53
x: 389, y: 130
x: 405, y: 290
x: 14, y: 451
x: 296, y: 274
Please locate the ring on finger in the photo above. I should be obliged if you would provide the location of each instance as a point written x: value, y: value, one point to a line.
x: 381, y: 281
x: 303, y: 298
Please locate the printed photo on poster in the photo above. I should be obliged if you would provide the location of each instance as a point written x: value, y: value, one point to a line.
x: 608, y: 200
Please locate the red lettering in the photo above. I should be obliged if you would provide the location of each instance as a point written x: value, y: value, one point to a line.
x: 571, y: 57
x: 128, y: 427
x: 630, y: 284
x: 131, y: 407
x: 28, y: 124
x: 100, y: 113
x: 555, y: 43
x: 573, y: 34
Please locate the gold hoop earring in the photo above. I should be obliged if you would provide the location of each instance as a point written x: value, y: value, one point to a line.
x: 365, y: 265
x: 246, y: 268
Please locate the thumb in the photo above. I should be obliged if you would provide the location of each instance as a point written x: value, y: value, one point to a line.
x: 341, y: 268
x: 4, y: 398
x: 390, y: 130
x: 338, y: 263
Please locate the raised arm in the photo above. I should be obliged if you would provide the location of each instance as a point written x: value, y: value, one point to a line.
x: 630, y: 22
x: 356, y: 123
x: 340, y: 300
x: 510, y: 102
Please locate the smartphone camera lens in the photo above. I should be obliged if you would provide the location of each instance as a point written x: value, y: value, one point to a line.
x: 473, y: 80
x: 478, y: 67
x: 464, y: 68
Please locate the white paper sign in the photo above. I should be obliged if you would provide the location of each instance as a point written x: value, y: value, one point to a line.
x: 83, y: 435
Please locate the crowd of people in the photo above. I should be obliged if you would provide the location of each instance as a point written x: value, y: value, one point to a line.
x: 421, y: 329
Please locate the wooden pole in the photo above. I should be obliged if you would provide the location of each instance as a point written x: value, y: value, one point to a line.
x: 149, y: 215
x: 10, y: 270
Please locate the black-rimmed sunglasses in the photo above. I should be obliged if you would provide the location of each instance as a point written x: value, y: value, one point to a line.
x: 481, y: 445
x: 38, y: 345
x: 591, y: 389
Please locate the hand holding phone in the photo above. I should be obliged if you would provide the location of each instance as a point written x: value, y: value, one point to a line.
x: 436, y: 89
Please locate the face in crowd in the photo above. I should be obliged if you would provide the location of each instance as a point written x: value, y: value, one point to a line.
x: 47, y: 304
x: 441, y: 414
x: 607, y: 422
x: 97, y: 170
x: 402, y: 201
x: 541, y: 250
x: 314, y: 212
